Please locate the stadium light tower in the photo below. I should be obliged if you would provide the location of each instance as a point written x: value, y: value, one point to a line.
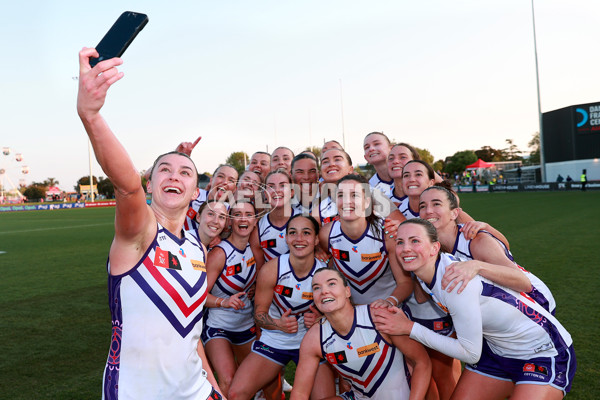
x: 537, y: 79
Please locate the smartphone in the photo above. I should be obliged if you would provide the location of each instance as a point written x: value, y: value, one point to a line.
x: 120, y: 36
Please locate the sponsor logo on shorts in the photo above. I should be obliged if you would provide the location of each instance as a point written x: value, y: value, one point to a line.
x: 367, y: 350
x: 370, y: 257
x: 233, y: 270
x: 539, y: 369
x: 307, y: 295
x: 198, y: 265
x: 440, y: 325
x: 338, y: 357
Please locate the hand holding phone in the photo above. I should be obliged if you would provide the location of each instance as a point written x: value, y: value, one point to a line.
x: 119, y: 36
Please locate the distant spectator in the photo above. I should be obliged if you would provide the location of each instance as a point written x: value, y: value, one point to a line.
x: 519, y: 172
x: 583, y: 179
x: 569, y: 179
x: 559, y: 179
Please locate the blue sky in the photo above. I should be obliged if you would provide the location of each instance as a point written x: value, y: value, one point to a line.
x: 445, y: 76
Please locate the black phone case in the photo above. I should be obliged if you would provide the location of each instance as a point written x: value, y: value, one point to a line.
x: 119, y: 36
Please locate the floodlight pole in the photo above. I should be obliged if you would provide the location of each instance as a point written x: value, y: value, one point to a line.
x: 342, y: 109
x: 537, y: 79
x: 91, y: 177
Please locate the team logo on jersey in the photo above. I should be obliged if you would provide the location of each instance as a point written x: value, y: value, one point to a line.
x: 284, y: 290
x: 367, y: 350
x: 307, y: 295
x: 198, y: 265
x: 530, y: 367
x: 191, y: 213
x: 251, y: 261
x: 182, y: 252
x: 341, y: 255
x: 370, y: 257
x: 268, y: 244
x: 338, y: 357
x: 233, y: 270
x: 440, y: 325
x: 166, y: 259
x: 114, y: 353
x: 349, y: 345
x: 355, y: 249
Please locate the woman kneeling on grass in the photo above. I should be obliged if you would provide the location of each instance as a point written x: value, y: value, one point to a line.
x: 373, y: 362
x: 157, y: 275
x: 511, y: 344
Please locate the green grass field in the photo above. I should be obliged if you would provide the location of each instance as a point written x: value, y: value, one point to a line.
x: 55, y: 324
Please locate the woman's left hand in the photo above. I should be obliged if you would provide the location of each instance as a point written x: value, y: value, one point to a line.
x: 392, y: 321
x: 471, y: 229
x: 460, y: 272
x: 321, y: 254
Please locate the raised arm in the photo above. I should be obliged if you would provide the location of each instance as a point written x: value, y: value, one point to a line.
x: 135, y: 224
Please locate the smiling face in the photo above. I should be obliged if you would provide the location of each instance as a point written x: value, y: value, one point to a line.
x: 212, y: 219
x: 282, y: 158
x: 173, y: 181
x: 334, y: 165
x: 223, y: 183
x: 329, y: 292
x: 351, y: 200
x: 279, y: 191
x: 248, y: 184
x: 305, y: 173
x: 415, y: 179
x: 243, y: 219
x: 376, y: 148
x: 301, y: 237
x: 398, y: 157
x: 414, y: 248
x: 261, y: 164
x: 434, y: 206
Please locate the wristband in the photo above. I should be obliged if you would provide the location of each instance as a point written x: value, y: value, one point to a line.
x: 393, y: 297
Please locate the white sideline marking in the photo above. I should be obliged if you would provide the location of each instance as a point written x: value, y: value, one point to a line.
x: 2, y: 252
x: 55, y: 228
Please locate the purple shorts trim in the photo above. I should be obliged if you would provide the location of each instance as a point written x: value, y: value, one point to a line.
x: 235, y: 338
x: 278, y: 356
x: 555, y: 371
